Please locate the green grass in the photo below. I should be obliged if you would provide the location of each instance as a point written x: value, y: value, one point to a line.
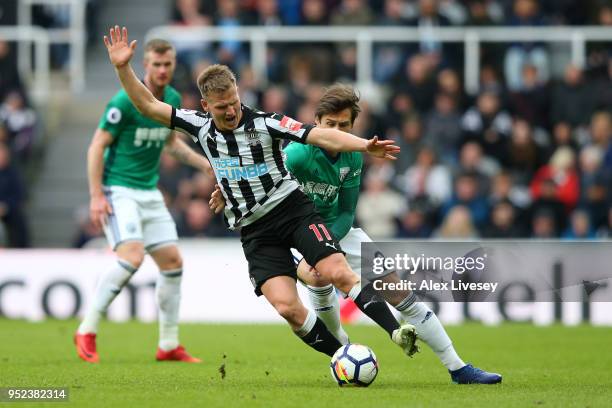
x: 267, y: 366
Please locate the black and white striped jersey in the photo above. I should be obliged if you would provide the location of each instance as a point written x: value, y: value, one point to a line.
x: 248, y: 161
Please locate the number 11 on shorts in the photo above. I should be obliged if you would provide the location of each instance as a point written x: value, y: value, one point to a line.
x: 317, y: 228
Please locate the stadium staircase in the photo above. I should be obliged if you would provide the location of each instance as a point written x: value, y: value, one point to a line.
x: 59, y: 190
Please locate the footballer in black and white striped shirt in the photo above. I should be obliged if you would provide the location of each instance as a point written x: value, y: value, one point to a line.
x: 273, y: 215
x: 248, y: 160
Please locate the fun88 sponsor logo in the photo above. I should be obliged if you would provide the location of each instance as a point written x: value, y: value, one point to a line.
x: 232, y: 170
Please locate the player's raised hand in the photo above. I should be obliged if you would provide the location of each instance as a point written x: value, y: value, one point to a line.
x: 99, y: 209
x: 119, y: 50
x: 382, y: 148
x: 216, y: 202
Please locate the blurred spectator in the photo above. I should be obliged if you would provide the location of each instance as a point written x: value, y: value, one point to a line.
x: 472, y: 160
x: 484, y: 13
x: 532, y: 101
x: 389, y: 56
x: 12, y: 200
x: 197, y: 221
x: 266, y: 14
x: 418, y: 82
x: 314, y: 13
x: 410, y: 141
x: 467, y: 195
x: 442, y: 128
x: 547, y: 203
x: 487, y: 124
x: 448, y: 82
x: 503, y: 188
x: 454, y: 10
x: 400, y: 107
x: 503, y: 222
x: 601, y: 136
x: 274, y: 99
x: 248, y: 86
x: 427, y: 179
x: 598, y: 53
x: 379, y: 206
x: 544, y: 225
x: 20, y: 121
x: 352, y: 13
x: 414, y: 222
x: 595, y: 183
x: 429, y: 17
x: 580, y: 226
x: 562, y: 173
x: 457, y: 224
x: 9, y: 76
x: 290, y: 10
x: 525, y: 13
x: 572, y: 99
x: 490, y: 82
x: 229, y: 52
x: 193, y: 13
x: 171, y: 172
x: 563, y: 136
x: 523, y: 156
x: 606, y: 230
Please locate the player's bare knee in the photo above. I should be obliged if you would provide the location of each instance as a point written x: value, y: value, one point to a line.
x: 311, y: 278
x: 174, y: 261
x: 335, y: 269
x: 133, y: 254
x: 318, y: 281
x: 290, y: 311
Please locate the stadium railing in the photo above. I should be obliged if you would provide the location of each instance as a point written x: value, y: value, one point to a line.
x: 367, y: 36
x: 40, y: 38
x: 74, y: 35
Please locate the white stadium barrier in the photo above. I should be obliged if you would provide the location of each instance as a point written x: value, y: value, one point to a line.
x: 43, y: 283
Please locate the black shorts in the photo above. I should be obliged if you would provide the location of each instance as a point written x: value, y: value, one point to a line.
x: 294, y: 223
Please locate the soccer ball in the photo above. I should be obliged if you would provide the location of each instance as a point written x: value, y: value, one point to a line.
x: 354, y: 364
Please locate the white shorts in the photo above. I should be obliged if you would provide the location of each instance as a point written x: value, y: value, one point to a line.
x: 138, y: 215
x: 351, y: 245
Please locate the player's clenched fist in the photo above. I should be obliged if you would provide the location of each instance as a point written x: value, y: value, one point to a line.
x: 217, y: 202
x: 119, y: 50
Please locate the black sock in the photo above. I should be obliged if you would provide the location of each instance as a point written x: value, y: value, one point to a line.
x: 376, y: 309
x: 321, y: 339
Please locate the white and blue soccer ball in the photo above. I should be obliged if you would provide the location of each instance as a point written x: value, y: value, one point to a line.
x: 354, y: 364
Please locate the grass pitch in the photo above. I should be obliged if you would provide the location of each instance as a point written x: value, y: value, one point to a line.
x: 267, y: 366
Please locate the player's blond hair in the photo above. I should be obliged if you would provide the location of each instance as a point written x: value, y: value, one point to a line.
x: 158, y: 46
x: 215, y: 79
x: 337, y: 98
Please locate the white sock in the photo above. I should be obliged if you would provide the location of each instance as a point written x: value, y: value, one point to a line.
x: 309, y: 323
x: 109, y: 286
x: 168, y: 294
x: 325, y: 303
x: 430, y: 330
x: 355, y: 291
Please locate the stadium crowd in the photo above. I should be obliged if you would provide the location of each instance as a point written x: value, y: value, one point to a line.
x: 18, y: 122
x: 529, y: 156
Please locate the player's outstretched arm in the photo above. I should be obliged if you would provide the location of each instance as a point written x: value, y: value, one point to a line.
x: 338, y: 141
x: 120, y: 52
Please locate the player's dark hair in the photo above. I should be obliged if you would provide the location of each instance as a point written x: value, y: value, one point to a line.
x: 337, y: 98
x: 216, y: 78
x: 158, y: 46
